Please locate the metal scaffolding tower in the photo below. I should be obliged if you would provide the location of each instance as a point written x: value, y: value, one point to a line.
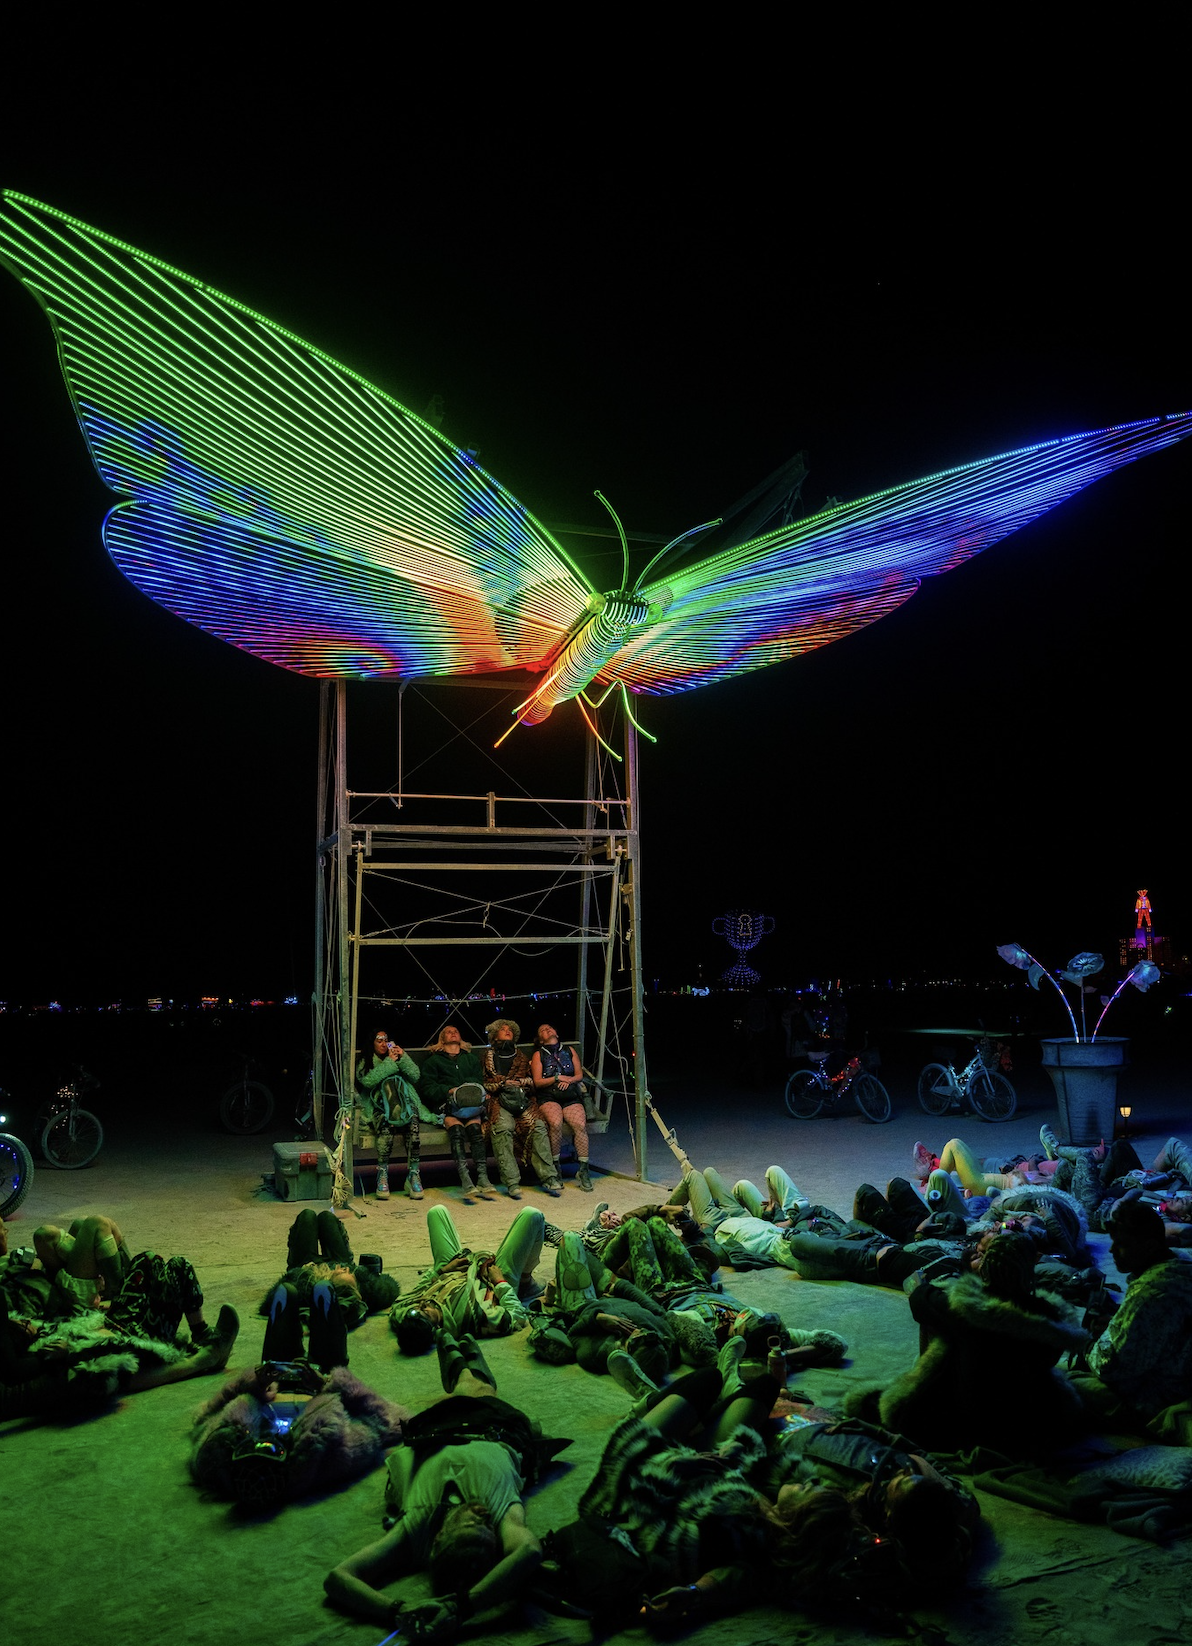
x: 402, y: 874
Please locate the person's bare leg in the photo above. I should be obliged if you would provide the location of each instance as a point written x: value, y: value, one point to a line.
x: 212, y: 1357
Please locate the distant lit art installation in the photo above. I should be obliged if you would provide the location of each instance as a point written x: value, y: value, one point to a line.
x: 278, y: 500
x: 1145, y: 940
x: 742, y: 930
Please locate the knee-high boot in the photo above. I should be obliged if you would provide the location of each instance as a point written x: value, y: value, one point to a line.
x: 452, y: 1360
x: 474, y: 1360
x: 480, y: 1160
x: 455, y: 1136
x: 414, y: 1160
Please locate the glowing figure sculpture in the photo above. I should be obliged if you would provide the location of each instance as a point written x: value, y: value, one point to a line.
x: 1142, y: 911
x: 742, y: 930
x: 276, y: 499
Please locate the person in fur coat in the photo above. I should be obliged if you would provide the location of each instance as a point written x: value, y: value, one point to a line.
x: 986, y: 1373
x: 251, y: 1442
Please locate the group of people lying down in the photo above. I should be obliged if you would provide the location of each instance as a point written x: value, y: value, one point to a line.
x: 720, y: 1487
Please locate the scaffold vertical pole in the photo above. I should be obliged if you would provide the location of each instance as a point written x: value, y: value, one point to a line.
x: 641, y: 1088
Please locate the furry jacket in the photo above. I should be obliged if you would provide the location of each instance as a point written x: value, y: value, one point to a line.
x: 685, y: 1512
x: 340, y: 1435
x: 985, y: 1375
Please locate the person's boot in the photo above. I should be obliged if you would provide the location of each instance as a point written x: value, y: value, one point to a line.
x: 414, y: 1177
x: 452, y: 1360
x: 1050, y: 1141
x: 480, y: 1162
x: 474, y: 1360
x: 216, y: 1342
x: 628, y: 1375
x: 455, y: 1137
x: 383, y: 1182
x: 583, y: 1177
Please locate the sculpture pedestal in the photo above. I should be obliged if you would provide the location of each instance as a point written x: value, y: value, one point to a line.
x: 1085, y: 1079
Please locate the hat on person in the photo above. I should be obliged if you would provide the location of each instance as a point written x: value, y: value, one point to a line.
x: 494, y: 1029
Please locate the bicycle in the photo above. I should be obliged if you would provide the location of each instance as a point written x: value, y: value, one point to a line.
x: 71, y: 1136
x: 247, y: 1105
x: 982, y: 1086
x: 810, y: 1090
x: 16, y: 1167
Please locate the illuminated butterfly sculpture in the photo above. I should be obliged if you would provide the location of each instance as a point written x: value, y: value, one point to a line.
x: 276, y: 499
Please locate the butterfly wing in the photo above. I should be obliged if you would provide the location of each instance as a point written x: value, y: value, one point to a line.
x: 276, y: 499
x: 820, y: 579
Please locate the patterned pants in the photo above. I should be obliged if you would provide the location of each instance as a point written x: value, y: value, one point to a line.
x: 157, y: 1292
x: 654, y: 1253
x: 383, y: 1131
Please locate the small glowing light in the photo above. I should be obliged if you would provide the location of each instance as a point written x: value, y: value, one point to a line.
x: 1126, y: 1110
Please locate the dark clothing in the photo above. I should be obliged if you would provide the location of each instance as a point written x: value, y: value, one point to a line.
x: 463, y: 1418
x: 441, y: 1074
x: 986, y: 1374
x: 316, y: 1244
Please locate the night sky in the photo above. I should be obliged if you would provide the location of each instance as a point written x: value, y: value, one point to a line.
x: 667, y: 319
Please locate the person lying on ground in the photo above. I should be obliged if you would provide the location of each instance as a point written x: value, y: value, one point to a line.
x: 749, y: 1228
x: 1142, y: 1363
x: 60, y: 1366
x: 688, y: 1525
x: 515, y: 1123
x: 1100, y: 1177
x: 986, y: 1372
x: 896, y: 1489
x: 84, y: 1262
x: 455, y: 1499
x: 470, y: 1291
x: 587, y: 1312
x: 1054, y: 1217
x: 318, y: 1252
x: 665, y: 1278
x: 298, y: 1422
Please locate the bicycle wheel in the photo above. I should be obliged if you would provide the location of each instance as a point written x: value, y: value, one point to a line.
x: 873, y: 1099
x: 804, y: 1094
x: 991, y: 1095
x: 246, y: 1107
x: 71, y: 1140
x: 937, y: 1089
x: 16, y: 1173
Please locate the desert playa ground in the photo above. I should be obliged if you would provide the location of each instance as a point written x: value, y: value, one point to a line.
x: 108, y: 1543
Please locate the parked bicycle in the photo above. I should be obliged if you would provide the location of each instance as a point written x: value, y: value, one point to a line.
x: 980, y: 1084
x: 248, y: 1104
x: 16, y: 1165
x: 810, y: 1091
x: 70, y: 1135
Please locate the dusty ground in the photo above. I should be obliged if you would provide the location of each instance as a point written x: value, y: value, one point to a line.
x: 107, y: 1543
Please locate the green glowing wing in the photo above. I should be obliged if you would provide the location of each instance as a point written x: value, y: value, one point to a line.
x: 817, y: 580
x: 275, y: 498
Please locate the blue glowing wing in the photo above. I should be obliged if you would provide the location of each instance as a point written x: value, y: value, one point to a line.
x: 820, y: 579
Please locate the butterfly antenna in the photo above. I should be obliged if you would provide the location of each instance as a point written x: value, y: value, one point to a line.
x: 592, y: 729
x: 674, y: 542
x: 636, y: 724
x: 621, y: 534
